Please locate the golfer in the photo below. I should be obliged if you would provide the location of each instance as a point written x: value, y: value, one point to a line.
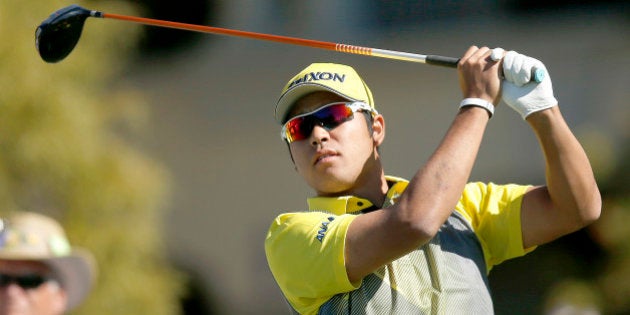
x: 40, y: 273
x: 377, y: 244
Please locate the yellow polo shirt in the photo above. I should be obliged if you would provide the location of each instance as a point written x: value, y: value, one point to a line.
x: 305, y: 252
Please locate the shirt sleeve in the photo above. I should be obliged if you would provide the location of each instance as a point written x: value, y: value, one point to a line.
x: 494, y: 212
x: 305, y: 252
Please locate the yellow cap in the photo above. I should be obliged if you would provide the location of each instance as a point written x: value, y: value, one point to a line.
x: 336, y: 78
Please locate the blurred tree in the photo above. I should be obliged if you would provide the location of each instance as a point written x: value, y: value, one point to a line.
x: 65, y: 150
x: 586, y: 272
x: 612, y: 233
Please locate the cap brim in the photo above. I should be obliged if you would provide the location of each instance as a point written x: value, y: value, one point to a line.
x: 286, y: 100
x: 77, y: 273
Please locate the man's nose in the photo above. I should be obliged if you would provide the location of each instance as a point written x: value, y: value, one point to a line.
x: 319, y: 134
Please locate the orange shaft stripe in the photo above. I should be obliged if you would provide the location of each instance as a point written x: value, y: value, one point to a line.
x: 353, y: 49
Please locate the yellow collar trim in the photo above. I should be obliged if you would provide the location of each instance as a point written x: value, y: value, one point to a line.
x: 351, y: 204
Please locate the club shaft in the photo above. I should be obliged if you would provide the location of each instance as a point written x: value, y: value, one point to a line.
x: 350, y: 49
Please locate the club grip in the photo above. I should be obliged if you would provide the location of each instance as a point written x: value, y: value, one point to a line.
x: 442, y: 61
x: 537, y: 74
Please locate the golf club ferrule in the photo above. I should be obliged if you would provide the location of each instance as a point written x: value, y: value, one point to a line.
x: 97, y: 14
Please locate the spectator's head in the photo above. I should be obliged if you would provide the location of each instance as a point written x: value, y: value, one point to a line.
x: 40, y: 273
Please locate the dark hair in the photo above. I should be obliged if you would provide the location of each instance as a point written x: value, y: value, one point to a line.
x: 369, y: 119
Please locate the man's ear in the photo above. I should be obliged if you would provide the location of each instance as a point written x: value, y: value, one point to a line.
x: 378, y: 129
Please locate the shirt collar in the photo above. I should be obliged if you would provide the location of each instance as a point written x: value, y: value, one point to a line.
x: 352, y: 204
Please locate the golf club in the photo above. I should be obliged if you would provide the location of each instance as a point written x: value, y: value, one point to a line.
x: 56, y: 37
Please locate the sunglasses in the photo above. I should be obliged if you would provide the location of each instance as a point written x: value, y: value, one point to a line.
x: 31, y: 281
x: 328, y: 116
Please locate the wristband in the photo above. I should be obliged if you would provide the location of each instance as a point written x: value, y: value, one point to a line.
x: 479, y: 103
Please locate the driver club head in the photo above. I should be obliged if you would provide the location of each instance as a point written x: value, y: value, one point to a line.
x: 58, y: 34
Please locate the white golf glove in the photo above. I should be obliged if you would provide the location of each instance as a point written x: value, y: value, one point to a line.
x: 524, y: 96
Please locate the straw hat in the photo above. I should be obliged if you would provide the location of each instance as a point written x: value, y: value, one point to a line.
x: 32, y: 236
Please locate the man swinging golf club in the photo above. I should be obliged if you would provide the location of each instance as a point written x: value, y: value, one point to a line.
x: 378, y: 244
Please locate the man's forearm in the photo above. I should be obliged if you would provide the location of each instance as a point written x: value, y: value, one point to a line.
x: 445, y: 174
x: 570, y: 180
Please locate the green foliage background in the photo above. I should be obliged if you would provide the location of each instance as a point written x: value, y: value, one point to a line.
x: 66, y: 150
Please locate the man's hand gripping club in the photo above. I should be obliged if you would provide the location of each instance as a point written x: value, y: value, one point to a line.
x: 519, y: 91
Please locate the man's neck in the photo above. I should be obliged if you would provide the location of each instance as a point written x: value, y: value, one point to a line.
x: 373, y: 188
x: 371, y: 183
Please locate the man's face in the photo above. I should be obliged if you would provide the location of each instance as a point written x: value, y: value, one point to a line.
x: 336, y: 161
x: 46, y: 299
